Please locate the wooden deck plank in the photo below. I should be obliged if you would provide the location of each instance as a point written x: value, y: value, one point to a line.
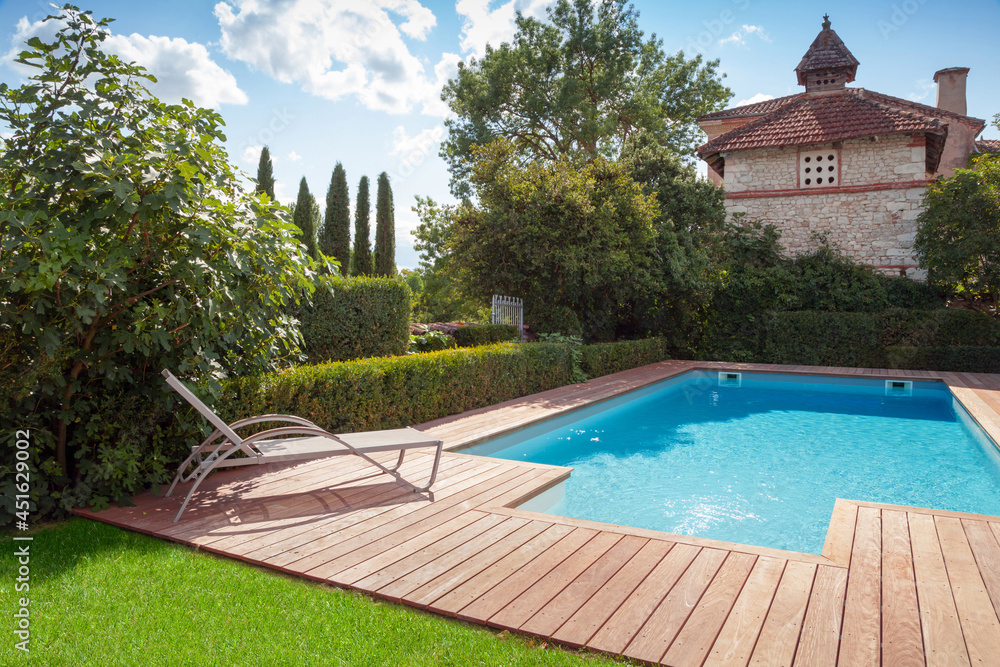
x: 980, y: 624
x: 944, y: 643
x: 619, y: 629
x: 840, y: 535
x: 500, y: 595
x: 466, y: 568
x: 738, y: 636
x: 779, y: 637
x: 659, y: 631
x: 470, y: 590
x: 819, y: 642
x: 589, y: 618
x: 528, y: 603
x: 860, y: 643
x: 987, y: 552
x: 556, y: 612
x: 902, y: 644
x: 699, y: 633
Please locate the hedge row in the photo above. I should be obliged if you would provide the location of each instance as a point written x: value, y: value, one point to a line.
x: 390, y: 392
x: 606, y: 358
x: 955, y: 340
x: 353, y: 318
x: 473, y: 335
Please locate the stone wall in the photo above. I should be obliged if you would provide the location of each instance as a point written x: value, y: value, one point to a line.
x: 870, y: 215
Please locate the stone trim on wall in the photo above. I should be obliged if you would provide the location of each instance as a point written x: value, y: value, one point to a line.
x: 874, y: 187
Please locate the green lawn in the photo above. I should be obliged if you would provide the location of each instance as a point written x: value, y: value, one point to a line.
x: 100, y: 595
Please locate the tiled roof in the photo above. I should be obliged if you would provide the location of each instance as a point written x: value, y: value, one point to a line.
x: 988, y: 146
x: 812, y: 119
x: 827, y: 52
x: 756, y: 109
x: 907, y: 105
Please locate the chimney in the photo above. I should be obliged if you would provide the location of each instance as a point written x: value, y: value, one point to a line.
x: 951, y: 89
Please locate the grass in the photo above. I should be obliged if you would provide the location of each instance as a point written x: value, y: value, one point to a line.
x: 105, y: 596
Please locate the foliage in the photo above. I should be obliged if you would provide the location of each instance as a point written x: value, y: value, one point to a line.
x: 485, y: 334
x: 573, y: 242
x: 958, y: 240
x: 385, y: 229
x: 388, y: 392
x: 958, y: 359
x: 128, y: 246
x: 305, y: 215
x: 361, y: 258
x: 101, y: 595
x: 441, y: 297
x: 351, y: 318
x: 336, y: 239
x: 822, y: 339
x: 432, y: 341
x: 574, y: 343
x: 577, y: 87
x: 265, y: 174
x: 757, y: 279
x: 606, y: 358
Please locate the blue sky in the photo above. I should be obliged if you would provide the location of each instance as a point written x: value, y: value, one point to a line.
x: 358, y: 81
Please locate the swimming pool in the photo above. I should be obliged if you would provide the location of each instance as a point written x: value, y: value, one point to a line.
x: 760, y: 458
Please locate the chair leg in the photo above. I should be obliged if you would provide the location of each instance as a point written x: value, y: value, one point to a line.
x: 434, y: 470
x: 399, y: 461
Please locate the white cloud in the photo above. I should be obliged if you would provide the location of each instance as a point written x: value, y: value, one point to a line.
x: 740, y: 36
x: 759, y: 97
x: 182, y: 68
x: 409, y: 148
x: 294, y: 157
x: 335, y: 50
x: 924, y: 88
x: 482, y: 26
x: 251, y: 155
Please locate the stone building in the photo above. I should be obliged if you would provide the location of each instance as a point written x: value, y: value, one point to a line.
x: 847, y: 162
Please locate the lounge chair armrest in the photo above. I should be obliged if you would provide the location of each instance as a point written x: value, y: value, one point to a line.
x: 272, y: 418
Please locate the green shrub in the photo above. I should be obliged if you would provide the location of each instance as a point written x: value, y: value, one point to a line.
x: 355, y: 318
x: 939, y: 328
x: 485, y: 334
x: 960, y: 359
x: 432, y: 341
x: 606, y: 358
x: 816, y: 338
x: 391, y: 392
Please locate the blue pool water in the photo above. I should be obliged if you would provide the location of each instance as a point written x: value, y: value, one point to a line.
x: 762, y: 463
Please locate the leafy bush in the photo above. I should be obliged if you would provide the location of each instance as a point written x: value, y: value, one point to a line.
x: 395, y: 391
x: 959, y: 358
x: 432, y: 341
x: 821, y: 339
x: 128, y: 245
x: 938, y: 328
x: 485, y: 334
x: 352, y: 318
x: 606, y: 358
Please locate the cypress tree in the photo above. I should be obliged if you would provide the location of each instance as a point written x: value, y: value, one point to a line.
x: 265, y: 174
x: 303, y: 217
x: 385, y: 229
x: 336, y: 238
x: 362, y: 265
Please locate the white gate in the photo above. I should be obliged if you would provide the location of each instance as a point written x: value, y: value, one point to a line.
x: 509, y: 310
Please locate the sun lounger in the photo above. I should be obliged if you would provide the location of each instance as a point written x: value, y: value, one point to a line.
x: 302, y: 441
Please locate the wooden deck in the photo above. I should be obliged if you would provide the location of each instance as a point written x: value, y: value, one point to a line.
x: 894, y: 586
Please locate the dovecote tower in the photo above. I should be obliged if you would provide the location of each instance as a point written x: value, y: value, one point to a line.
x: 828, y: 64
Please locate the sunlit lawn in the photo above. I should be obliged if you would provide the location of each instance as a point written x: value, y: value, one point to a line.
x: 105, y: 596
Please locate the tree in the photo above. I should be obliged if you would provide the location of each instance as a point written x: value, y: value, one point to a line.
x: 362, y: 258
x: 579, y: 86
x: 385, y: 229
x: 265, y: 174
x: 127, y: 245
x: 336, y: 239
x: 958, y: 239
x: 441, y: 297
x: 305, y: 215
x: 575, y: 242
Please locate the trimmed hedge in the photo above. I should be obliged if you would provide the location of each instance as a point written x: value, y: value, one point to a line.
x: 606, y: 358
x: 473, y: 335
x: 959, y: 358
x: 953, y: 340
x: 390, y: 392
x: 355, y: 318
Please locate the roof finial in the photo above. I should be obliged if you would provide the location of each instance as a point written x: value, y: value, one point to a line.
x: 826, y: 21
